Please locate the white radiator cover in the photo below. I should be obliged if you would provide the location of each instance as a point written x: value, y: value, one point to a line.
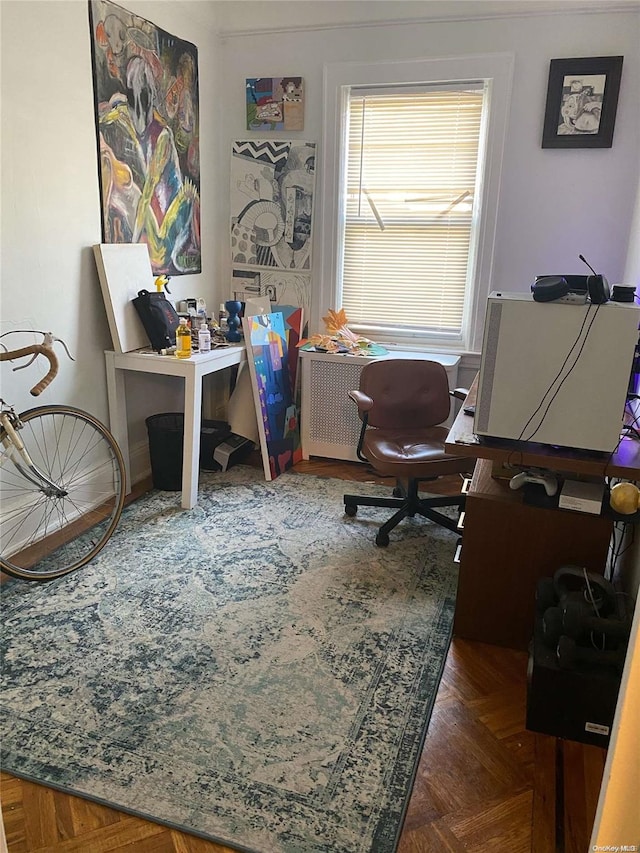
x: 330, y: 426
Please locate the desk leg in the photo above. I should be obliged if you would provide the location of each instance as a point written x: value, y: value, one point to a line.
x: 191, y: 451
x: 118, y: 424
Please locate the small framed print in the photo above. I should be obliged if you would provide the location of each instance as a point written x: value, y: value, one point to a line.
x: 275, y: 103
x: 582, y: 99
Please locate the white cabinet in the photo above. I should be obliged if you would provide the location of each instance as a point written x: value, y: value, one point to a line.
x: 330, y: 426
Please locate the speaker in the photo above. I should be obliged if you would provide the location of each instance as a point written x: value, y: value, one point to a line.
x: 598, y: 289
x: 549, y: 287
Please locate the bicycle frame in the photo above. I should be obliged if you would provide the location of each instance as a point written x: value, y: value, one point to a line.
x: 13, y: 444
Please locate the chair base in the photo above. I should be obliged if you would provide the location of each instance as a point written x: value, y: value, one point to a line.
x: 408, y: 503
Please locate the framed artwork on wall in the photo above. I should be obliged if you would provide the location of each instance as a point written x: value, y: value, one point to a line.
x: 146, y: 100
x: 275, y: 103
x: 582, y: 99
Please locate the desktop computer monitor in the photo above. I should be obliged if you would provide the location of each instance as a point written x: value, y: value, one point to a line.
x: 555, y: 373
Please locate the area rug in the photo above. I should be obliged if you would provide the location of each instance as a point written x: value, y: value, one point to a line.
x: 254, y: 670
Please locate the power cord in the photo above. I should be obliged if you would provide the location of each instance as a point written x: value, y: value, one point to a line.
x: 554, y: 380
x: 594, y: 604
x: 631, y: 431
x: 567, y: 375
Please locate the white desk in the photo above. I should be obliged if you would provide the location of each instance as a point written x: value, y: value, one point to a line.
x: 192, y: 370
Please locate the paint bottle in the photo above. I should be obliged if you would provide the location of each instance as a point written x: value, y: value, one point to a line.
x: 204, y: 338
x: 222, y: 317
x: 183, y: 340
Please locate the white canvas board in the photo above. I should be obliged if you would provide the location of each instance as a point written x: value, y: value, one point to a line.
x: 124, y: 269
x: 257, y: 305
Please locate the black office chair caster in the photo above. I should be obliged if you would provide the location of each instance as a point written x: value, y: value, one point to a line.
x: 382, y: 540
x: 350, y: 509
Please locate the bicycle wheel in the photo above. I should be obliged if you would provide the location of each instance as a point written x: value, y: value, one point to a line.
x: 44, y: 535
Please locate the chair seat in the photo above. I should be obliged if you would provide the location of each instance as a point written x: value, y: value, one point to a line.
x: 395, y: 452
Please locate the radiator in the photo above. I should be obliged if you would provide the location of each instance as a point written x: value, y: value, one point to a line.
x: 330, y: 426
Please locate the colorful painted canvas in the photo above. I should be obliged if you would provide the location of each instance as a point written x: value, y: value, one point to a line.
x: 278, y: 415
x: 293, y: 323
x: 272, y: 188
x: 275, y: 103
x: 147, y: 116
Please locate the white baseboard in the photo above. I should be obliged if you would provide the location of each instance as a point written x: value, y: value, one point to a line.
x: 139, y: 461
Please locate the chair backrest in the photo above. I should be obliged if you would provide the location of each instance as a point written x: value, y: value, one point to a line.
x: 406, y: 393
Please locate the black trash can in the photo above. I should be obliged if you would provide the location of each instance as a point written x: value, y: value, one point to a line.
x: 166, y: 442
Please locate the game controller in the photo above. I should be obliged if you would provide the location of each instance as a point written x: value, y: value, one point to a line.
x: 547, y: 480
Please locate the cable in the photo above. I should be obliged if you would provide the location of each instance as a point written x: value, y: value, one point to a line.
x: 559, y: 373
x: 592, y: 599
x: 631, y: 431
x: 567, y: 375
x: 614, y: 549
x: 590, y: 591
x: 613, y: 452
x: 631, y: 538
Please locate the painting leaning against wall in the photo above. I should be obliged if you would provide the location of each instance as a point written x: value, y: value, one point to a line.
x: 147, y: 118
x: 270, y: 366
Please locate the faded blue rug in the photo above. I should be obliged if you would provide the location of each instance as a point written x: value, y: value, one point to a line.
x: 253, y: 670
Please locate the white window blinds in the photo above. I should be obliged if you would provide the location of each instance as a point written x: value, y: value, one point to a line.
x: 412, y: 165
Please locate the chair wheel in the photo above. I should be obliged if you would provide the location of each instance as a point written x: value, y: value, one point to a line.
x: 350, y: 510
x: 382, y: 540
x: 397, y: 492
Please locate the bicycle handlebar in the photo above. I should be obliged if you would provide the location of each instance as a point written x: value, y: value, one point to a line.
x: 35, y: 349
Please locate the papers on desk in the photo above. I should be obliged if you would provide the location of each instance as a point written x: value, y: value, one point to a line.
x: 582, y: 496
x: 467, y: 438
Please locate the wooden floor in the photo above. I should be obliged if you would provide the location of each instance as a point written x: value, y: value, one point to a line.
x: 484, y: 783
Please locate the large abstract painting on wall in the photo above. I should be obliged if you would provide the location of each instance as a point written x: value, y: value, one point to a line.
x: 272, y: 189
x: 147, y: 117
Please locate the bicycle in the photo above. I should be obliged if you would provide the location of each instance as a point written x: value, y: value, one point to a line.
x: 62, y: 480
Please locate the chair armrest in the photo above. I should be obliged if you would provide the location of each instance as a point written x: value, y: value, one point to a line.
x: 362, y: 401
x: 460, y: 393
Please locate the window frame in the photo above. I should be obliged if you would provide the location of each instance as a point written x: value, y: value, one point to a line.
x: 496, y: 72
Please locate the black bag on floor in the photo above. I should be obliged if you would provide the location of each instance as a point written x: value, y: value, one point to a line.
x: 158, y: 317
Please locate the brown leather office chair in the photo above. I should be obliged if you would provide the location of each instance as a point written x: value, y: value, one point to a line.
x: 400, y: 403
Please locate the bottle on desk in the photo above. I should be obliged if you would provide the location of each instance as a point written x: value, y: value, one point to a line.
x: 183, y: 340
x: 222, y: 318
x: 204, y: 338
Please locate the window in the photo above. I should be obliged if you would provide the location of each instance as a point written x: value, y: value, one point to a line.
x: 411, y: 170
x: 410, y: 191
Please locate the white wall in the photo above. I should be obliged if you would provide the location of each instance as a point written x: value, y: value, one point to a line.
x: 554, y: 204
x: 50, y: 195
